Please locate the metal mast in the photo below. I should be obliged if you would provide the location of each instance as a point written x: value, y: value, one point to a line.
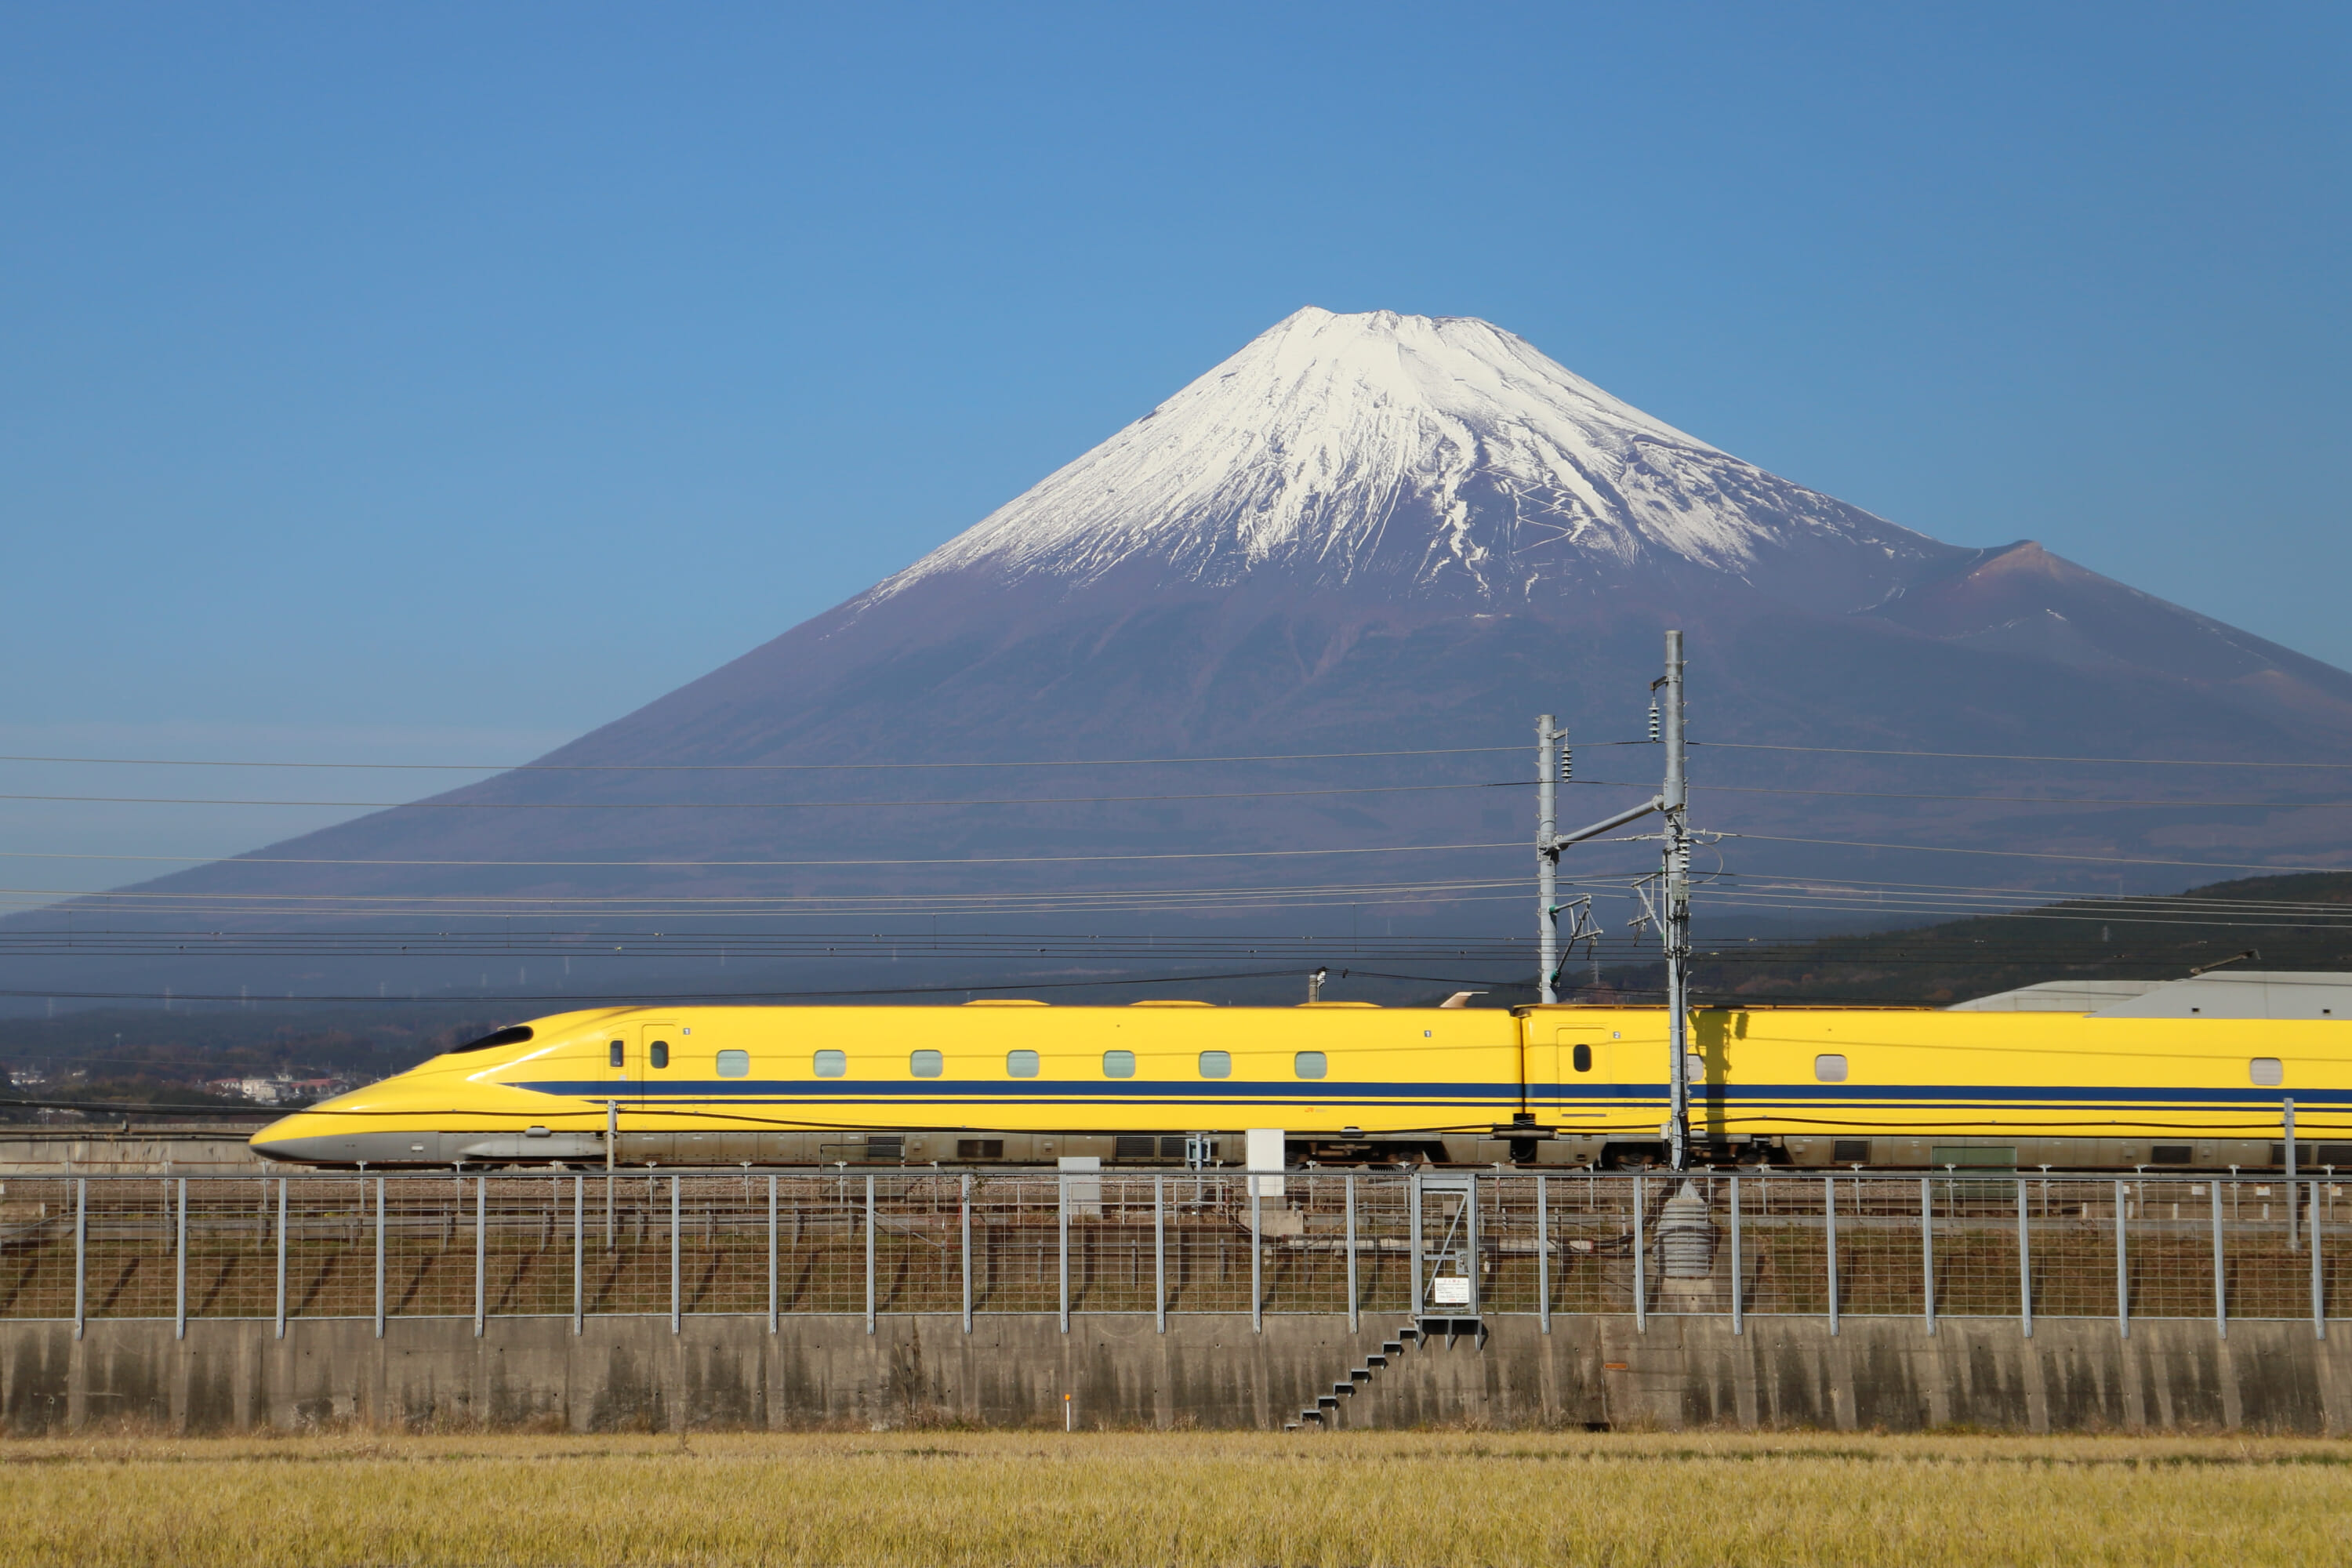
x: 1546, y: 861
x: 1673, y: 801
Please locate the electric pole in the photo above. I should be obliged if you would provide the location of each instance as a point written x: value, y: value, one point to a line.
x: 1546, y: 861
x: 1674, y: 803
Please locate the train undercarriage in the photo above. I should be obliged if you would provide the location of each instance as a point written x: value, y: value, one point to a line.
x: 1528, y: 1148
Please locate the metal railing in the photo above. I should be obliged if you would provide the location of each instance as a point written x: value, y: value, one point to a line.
x: 875, y: 1243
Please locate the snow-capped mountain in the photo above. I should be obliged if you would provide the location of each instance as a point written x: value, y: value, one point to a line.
x: 1384, y: 534
x: 1417, y: 455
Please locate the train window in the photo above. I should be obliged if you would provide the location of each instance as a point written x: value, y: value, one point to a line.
x: 1310, y: 1064
x: 1216, y: 1063
x: 2266, y: 1071
x: 661, y: 1053
x: 617, y: 1055
x: 734, y: 1064
x: 1580, y: 1058
x: 1119, y: 1064
x: 926, y: 1064
x: 980, y: 1148
x: 1021, y: 1064
x: 1829, y: 1070
x: 831, y: 1064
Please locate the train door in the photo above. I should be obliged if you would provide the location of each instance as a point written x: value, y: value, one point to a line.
x: 621, y: 1062
x: 1583, y: 1068
x: 650, y: 1062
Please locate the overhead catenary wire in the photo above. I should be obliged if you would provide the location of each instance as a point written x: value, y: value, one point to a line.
x: 1131, y: 762
x: 740, y: 804
x: 932, y: 862
x: 2040, y: 854
x: 2014, y: 757
x: 770, y: 767
x: 2189, y: 802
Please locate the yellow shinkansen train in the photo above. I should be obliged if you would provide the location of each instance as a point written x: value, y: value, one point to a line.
x: 1346, y: 1083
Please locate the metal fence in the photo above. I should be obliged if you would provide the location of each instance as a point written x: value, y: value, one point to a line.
x: 1389, y: 1244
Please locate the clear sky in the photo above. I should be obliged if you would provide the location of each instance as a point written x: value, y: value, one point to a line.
x: 440, y: 381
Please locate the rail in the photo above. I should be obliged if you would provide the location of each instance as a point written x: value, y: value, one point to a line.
x: 692, y: 1242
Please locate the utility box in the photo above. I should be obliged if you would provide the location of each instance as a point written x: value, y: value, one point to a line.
x: 1264, y: 1160
x: 1083, y: 1193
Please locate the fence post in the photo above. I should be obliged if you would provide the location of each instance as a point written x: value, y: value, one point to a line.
x: 1739, y: 1319
x: 1062, y: 1253
x: 1828, y: 1229
x: 1640, y: 1271
x: 2220, y: 1277
x: 869, y: 1254
x: 1412, y: 1238
x: 81, y: 1254
x: 1543, y: 1252
x: 2024, y: 1264
x: 1160, y: 1248
x: 1928, y: 1246
x: 379, y: 1258
x: 774, y: 1325
x: 964, y: 1182
x: 2287, y: 1108
x: 481, y: 1250
x: 677, y: 1284
x: 1470, y: 1244
x: 579, y: 1254
x: 281, y: 1257
x: 1257, y: 1261
x: 2122, y: 1267
x: 179, y: 1268
x: 2318, y: 1290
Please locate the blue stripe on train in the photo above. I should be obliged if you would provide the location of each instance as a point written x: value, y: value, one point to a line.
x: 1754, y: 1097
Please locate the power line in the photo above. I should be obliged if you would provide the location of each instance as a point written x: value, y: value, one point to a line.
x: 931, y: 861
x: 2043, y: 855
x: 774, y: 767
x: 2008, y: 757
x: 736, y: 805
x: 2011, y: 799
x: 1125, y: 799
x: 582, y: 1001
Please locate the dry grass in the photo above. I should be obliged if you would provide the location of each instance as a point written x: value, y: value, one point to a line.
x: 1459, y: 1499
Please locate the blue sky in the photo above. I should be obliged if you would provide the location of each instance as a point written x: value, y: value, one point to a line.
x: 432, y: 382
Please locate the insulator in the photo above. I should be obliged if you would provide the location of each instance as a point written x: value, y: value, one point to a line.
x: 1653, y: 721
x: 1567, y: 766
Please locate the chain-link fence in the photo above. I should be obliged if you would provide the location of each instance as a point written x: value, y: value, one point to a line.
x: 1386, y: 1243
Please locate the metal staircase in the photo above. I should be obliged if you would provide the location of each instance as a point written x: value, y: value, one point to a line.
x: 1325, y: 1412
x: 1447, y: 1273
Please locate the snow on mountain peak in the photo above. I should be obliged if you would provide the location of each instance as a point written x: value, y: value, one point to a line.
x: 1439, y: 449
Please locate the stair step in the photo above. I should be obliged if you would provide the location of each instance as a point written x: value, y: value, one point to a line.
x: 1347, y: 1387
x: 1361, y: 1374
x: 1375, y: 1360
x: 1394, y: 1347
x: 1326, y: 1402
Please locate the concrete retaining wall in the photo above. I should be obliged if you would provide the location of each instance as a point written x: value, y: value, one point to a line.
x: 634, y: 1374
x: 146, y: 1151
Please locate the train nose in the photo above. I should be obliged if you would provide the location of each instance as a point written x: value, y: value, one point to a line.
x: 316, y: 1140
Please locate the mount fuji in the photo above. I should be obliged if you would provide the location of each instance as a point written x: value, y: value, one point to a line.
x: 1383, y: 533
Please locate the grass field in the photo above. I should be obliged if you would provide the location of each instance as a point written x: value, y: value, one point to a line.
x: 1441, y: 1498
